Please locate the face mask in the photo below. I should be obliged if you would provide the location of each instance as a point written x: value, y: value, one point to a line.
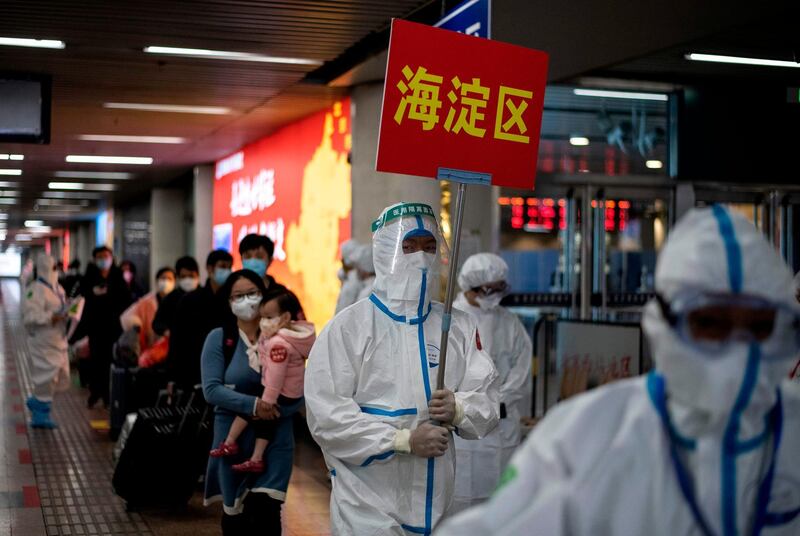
x: 258, y: 266
x: 104, y: 263
x: 165, y: 286
x: 188, y: 284
x: 247, y: 308
x: 221, y: 275
x: 73, y: 271
x: 270, y: 326
x: 127, y: 275
x: 489, y: 302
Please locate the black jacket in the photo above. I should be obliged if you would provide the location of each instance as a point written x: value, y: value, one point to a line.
x: 106, y: 299
x: 189, y: 317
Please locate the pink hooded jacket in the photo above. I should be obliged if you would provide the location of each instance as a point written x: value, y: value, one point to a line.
x: 283, y: 360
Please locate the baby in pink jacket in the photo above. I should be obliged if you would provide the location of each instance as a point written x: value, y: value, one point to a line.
x: 283, y: 347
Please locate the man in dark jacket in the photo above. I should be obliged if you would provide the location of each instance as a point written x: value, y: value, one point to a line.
x: 189, y: 316
x: 106, y: 297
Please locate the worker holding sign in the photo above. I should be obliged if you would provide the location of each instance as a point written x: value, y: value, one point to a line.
x: 371, y: 392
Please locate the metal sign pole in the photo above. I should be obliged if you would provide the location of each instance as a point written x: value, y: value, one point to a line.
x: 451, y: 282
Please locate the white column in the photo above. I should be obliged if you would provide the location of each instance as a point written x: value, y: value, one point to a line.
x: 167, y: 242
x: 203, y: 209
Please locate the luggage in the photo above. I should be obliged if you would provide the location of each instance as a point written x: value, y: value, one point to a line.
x: 121, y: 397
x: 165, y: 454
x: 131, y: 388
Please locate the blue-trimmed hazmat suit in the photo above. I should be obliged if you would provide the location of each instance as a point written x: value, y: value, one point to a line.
x: 369, y: 379
x: 706, y: 444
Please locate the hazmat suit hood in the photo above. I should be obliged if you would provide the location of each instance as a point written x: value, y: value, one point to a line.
x: 481, y: 269
x: 45, y: 269
x: 405, y: 283
x: 714, y: 251
x: 362, y: 260
x: 349, y: 252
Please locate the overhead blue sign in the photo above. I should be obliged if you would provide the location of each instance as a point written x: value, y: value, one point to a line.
x: 473, y: 17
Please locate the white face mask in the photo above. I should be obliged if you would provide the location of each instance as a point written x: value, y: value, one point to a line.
x: 489, y: 302
x: 270, y: 326
x: 165, y: 286
x: 188, y: 284
x: 247, y: 308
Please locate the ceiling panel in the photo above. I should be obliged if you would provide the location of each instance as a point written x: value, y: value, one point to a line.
x: 104, y: 62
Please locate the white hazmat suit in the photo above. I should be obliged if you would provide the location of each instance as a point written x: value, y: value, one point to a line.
x: 370, y: 376
x: 479, y: 464
x: 351, y: 284
x: 47, y: 340
x: 366, y: 271
x: 706, y: 444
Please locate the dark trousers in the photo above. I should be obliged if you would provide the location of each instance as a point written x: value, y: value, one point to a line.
x: 261, y: 515
x: 267, y: 429
x: 99, y: 368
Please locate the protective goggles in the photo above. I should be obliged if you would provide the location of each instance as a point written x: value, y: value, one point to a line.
x: 250, y: 296
x: 492, y: 290
x: 712, y: 321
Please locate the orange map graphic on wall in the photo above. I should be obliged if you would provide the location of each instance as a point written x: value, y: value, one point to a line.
x: 325, y: 201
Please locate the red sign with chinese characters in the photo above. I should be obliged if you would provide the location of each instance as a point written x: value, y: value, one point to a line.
x: 460, y: 102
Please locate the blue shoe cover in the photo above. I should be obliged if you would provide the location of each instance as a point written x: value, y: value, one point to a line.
x: 40, y: 414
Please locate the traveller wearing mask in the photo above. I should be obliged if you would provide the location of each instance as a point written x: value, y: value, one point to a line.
x: 366, y: 272
x: 140, y: 315
x: 479, y: 464
x: 129, y: 275
x: 705, y: 444
x: 348, y: 275
x: 107, y: 296
x: 196, y: 313
x: 251, y: 503
x: 370, y: 388
x: 256, y: 252
x: 44, y: 313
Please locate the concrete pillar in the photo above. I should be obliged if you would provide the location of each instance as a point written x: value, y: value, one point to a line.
x: 372, y: 191
x: 684, y: 199
x: 167, y: 241
x: 203, y: 207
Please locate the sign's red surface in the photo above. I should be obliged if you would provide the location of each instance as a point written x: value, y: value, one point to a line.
x: 460, y: 102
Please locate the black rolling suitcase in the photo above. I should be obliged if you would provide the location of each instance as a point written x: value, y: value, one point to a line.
x: 120, y: 394
x: 164, y: 455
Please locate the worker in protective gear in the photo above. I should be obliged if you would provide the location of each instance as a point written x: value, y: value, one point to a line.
x: 479, y: 464
x: 348, y: 275
x: 365, y: 267
x: 707, y: 443
x: 370, y: 388
x: 44, y: 313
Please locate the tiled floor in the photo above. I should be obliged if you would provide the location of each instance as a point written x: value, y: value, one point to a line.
x: 59, y: 482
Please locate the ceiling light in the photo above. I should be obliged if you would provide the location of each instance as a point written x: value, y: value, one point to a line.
x: 715, y: 58
x: 654, y: 164
x: 91, y: 159
x: 114, y: 175
x: 14, y: 172
x: 174, y: 108
x: 227, y: 55
x: 132, y: 139
x: 40, y: 230
x: 10, y: 193
x: 81, y: 186
x: 579, y: 141
x: 7, y: 201
x: 34, y: 43
x: 4, y: 184
x: 22, y: 237
x: 4, y: 156
x: 3, y: 215
x: 33, y: 223
x: 620, y: 94
x: 62, y: 202
x: 72, y: 195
